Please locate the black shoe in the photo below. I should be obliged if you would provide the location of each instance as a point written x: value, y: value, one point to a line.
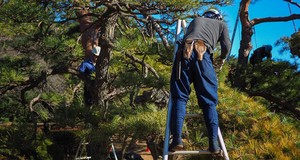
x: 174, y: 148
x: 217, y: 154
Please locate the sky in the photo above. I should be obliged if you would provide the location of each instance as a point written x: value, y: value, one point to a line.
x: 265, y: 33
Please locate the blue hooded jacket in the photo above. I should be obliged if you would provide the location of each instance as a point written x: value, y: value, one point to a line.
x: 87, y: 67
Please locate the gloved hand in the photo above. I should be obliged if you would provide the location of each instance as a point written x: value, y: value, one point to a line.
x: 218, y: 63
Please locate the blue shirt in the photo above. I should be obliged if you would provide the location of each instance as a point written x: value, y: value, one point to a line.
x: 87, y: 67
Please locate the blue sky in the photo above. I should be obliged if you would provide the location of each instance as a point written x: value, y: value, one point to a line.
x: 266, y: 33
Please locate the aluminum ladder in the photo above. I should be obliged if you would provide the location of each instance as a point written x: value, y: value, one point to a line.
x: 166, y: 153
x: 81, y: 152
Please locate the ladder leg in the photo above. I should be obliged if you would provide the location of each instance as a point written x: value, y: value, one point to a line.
x: 167, y: 131
x: 114, y: 151
x: 222, y: 144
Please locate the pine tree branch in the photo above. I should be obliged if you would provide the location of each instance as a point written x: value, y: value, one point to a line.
x: 256, y: 21
x: 33, y: 101
x: 114, y: 93
x: 158, y: 29
x: 285, y: 104
x: 152, y: 70
x: 75, y: 89
x: 294, y: 3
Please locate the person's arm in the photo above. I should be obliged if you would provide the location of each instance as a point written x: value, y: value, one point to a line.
x: 269, y: 56
x: 82, y: 67
x: 225, y: 47
x: 225, y: 42
x: 82, y: 71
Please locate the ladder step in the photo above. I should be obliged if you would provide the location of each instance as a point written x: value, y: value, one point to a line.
x: 83, y: 158
x: 190, y: 152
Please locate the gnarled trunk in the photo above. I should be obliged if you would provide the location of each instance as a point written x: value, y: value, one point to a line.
x: 245, y: 43
x: 105, y: 25
x: 107, y: 28
x: 108, y: 24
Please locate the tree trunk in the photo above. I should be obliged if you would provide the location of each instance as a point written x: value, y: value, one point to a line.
x: 102, y: 66
x: 107, y: 29
x: 245, y: 43
x: 106, y: 25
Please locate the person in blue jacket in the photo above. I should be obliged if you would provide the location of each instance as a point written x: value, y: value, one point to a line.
x: 202, y: 36
x: 87, y: 69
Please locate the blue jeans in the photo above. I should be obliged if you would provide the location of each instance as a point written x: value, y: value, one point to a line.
x: 203, y: 76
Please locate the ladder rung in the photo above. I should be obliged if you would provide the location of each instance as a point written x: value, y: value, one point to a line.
x: 190, y: 152
x: 84, y: 158
x: 192, y: 115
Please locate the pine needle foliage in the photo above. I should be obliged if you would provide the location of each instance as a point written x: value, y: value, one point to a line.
x: 12, y: 70
x: 269, y: 80
x: 256, y: 133
x: 249, y: 129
